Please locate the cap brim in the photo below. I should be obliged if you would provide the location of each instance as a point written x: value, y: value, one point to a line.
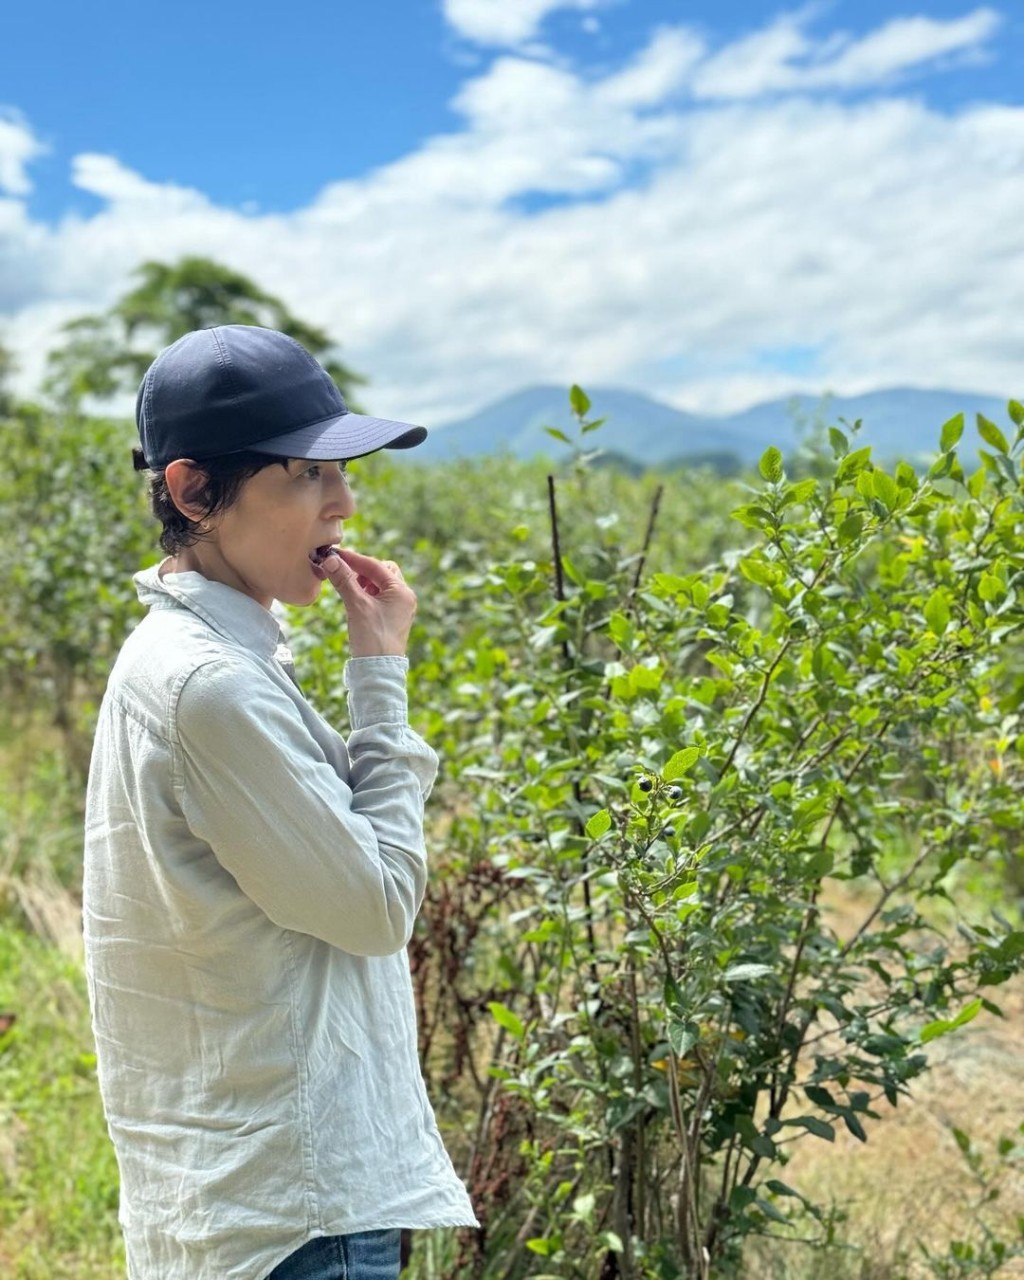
x: 350, y: 435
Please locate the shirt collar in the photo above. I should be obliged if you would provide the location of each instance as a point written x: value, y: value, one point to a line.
x: 228, y: 611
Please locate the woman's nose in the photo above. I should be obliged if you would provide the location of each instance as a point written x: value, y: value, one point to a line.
x: 341, y: 501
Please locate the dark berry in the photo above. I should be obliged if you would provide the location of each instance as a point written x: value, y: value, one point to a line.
x: 674, y: 793
x: 667, y: 833
x: 645, y: 784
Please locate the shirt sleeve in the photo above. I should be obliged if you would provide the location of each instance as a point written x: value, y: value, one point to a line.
x: 342, y: 860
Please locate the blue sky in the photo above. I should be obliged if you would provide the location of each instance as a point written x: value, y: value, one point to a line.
x: 716, y: 202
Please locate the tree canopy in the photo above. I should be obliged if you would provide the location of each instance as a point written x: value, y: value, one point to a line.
x: 108, y: 353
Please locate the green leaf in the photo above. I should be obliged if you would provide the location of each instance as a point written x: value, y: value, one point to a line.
x: 991, y: 588
x: 504, y: 1017
x: 682, y: 1036
x: 866, y: 484
x: 850, y: 529
x: 800, y: 492
x: 813, y: 1124
x: 854, y: 1126
x: 951, y: 433
x: 621, y: 630
x: 840, y: 444
x: 598, y: 824
x: 572, y: 573
x: 1016, y: 412
x: 558, y: 435
x: 770, y: 465
x: 937, y: 611
x: 991, y: 434
x: 740, y: 1197
x: 770, y: 1211
x: 942, y: 1026
x: 645, y: 678
x: 906, y: 476
x: 579, y: 400
x: 886, y: 490
x: 745, y: 972
x: 762, y: 572
x: 753, y: 516
x: 853, y: 463
x: 680, y: 764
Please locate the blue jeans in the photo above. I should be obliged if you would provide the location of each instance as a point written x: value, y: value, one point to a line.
x: 365, y: 1255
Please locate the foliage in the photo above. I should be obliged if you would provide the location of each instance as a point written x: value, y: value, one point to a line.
x: 74, y: 530
x: 654, y: 789
x: 675, y: 741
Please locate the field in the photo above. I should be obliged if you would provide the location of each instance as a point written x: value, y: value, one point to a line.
x: 726, y: 855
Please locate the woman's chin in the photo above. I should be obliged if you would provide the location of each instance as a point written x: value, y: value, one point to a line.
x: 300, y: 597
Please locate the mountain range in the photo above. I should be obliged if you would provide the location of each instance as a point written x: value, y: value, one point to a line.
x: 643, y: 432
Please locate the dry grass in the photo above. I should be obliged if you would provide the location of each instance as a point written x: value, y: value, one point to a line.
x: 53, y: 913
x: 910, y: 1183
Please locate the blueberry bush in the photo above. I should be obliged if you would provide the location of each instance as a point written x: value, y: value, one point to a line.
x: 668, y: 751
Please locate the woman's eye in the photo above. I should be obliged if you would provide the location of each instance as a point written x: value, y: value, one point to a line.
x: 313, y: 472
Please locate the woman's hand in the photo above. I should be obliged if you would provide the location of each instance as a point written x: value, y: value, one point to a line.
x: 379, y: 604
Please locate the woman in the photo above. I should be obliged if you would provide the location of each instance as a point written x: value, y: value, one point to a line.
x: 251, y: 877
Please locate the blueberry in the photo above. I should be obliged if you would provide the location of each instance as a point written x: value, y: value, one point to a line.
x: 667, y: 833
x: 645, y: 784
x: 674, y: 793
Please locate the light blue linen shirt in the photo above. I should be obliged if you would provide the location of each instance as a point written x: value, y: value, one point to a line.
x: 251, y: 882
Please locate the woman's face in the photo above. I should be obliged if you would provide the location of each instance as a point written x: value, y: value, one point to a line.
x: 261, y: 545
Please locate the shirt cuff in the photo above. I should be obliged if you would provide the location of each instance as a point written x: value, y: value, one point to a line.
x: 377, y: 691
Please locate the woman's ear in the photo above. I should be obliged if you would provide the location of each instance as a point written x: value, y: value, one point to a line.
x: 184, y: 480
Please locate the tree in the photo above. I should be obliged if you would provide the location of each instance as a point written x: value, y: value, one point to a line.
x: 108, y: 353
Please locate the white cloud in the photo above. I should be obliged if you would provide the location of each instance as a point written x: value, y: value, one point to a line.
x: 106, y: 177
x: 505, y: 23
x: 18, y: 148
x: 783, y: 58
x: 905, y: 43
x: 661, y: 70
x: 681, y: 248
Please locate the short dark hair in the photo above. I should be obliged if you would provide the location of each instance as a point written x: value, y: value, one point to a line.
x: 222, y: 479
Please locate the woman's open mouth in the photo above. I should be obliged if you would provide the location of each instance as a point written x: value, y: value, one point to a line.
x: 316, y: 560
x: 320, y: 554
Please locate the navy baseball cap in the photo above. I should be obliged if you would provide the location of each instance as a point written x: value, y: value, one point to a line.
x: 238, y: 386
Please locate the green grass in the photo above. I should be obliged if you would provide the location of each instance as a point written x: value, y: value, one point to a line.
x: 58, y: 1175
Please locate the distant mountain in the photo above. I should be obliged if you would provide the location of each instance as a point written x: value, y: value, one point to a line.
x: 901, y: 422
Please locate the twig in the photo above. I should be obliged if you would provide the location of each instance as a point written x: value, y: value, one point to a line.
x: 556, y: 556
x: 652, y: 520
x: 577, y: 790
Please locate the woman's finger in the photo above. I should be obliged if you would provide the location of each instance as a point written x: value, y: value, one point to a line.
x: 380, y: 572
